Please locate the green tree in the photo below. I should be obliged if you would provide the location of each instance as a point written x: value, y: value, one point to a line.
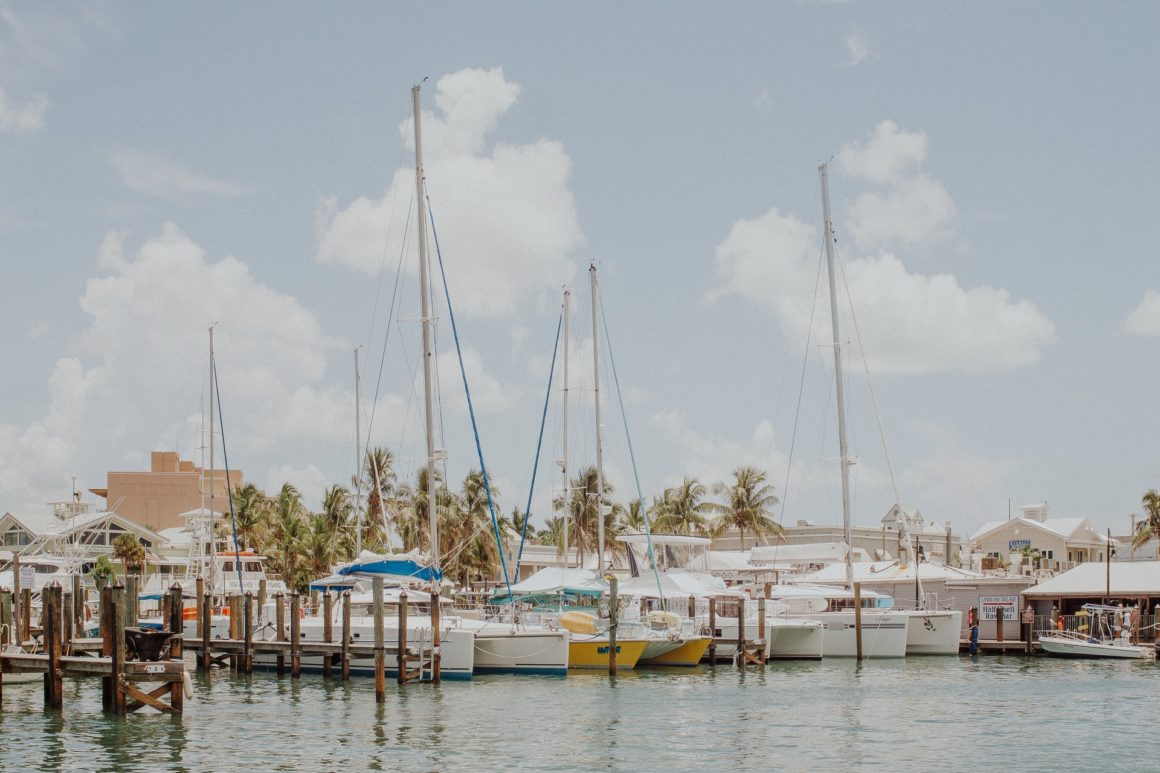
x: 379, y: 483
x: 251, y: 513
x: 1150, y: 526
x: 583, y: 506
x: 337, y: 510
x: 748, y: 506
x: 130, y: 552
x: 319, y: 545
x: 287, y: 534
x: 683, y: 509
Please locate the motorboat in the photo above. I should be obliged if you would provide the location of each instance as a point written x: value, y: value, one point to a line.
x: 1096, y: 638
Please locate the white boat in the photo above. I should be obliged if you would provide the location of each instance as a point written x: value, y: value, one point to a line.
x: 884, y: 629
x: 1098, y: 640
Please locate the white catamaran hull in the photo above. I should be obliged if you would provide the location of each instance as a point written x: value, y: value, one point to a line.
x: 884, y: 634
x: 785, y: 638
x: 503, y: 648
x: 933, y: 632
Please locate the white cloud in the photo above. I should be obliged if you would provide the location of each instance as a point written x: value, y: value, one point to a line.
x: 859, y: 47
x: 506, y: 218
x: 488, y: 395
x: 946, y: 473
x: 23, y: 119
x: 310, y: 481
x: 886, y: 157
x: 139, y: 368
x: 910, y: 323
x: 152, y: 174
x: 1145, y: 318
x: 915, y: 211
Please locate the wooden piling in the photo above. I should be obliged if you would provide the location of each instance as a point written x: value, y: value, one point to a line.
x: 762, y: 629
x: 177, y: 626
x: 436, y: 622
x: 402, y: 659
x: 345, y: 635
x: 132, y: 599
x: 204, y: 627
x: 280, y: 628
x: 66, y: 623
x: 613, y: 613
x: 105, y: 612
x: 712, y: 630
x: 380, y: 643
x: 740, y: 654
x: 50, y: 598
x: 7, y: 635
x: 79, y: 604
x: 248, y: 634
x: 26, y: 614
x: 18, y: 634
x: 119, y: 614
x: 692, y: 608
x: 261, y: 600
x: 998, y: 623
x: 295, y: 635
x: 236, y: 622
x: 858, y: 619
x: 327, y: 629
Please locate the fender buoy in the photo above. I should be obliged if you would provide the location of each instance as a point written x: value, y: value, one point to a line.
x: 187, y: 684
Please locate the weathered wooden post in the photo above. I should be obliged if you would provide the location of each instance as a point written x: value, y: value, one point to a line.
x: 66, y: 623
x: 236, y: 623
x: 858, y: 619
x: 712, y: 630
x: 248, y: 633
x: 6, y: 633
x: 402, y: 659
x: 436, y: 622
x: 345, y: 635
x: 380, y: 642
x: 78, y: 605
x: 998, y: 623
x: 176, y: 651
x: 18, y: 634
x: 613, y: 613
x: 763, y: 630
x: 740, y: 633
x: 119, y: 615
x: 280, y: 632
x: 327, y: 629
x: 693, y: 608
x: 26, y: 613
x: 295, y: 635
x: 261, y: 600
x: 204, y: 626
x: 50, y: 598
x: 132, y: 599
x: 105, y: 611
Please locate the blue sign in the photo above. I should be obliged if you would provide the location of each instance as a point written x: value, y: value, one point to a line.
x: 1018, y: 544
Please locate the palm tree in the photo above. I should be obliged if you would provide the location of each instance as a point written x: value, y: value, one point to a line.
x: 582, y: 507
x: 251, y: 508
x: 1150, y: 526
x: 631, y: 518
x: 336, y: 511
x: 287, y: 533
x: 379, y: 479
x: 683, y: 509
x: 748, y: 505
x: 131, y: 553
x: 467, y: 533
x: 320, y: 544
x: 411, y: 514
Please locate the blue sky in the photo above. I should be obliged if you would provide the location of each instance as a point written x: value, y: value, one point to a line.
x: 993, y: 183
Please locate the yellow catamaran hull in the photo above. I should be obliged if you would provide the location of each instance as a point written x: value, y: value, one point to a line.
x: 594, y: 653
x: 688, y: 654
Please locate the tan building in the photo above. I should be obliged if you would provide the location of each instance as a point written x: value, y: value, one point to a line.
x: 156, y: 499
x: 1059, y: 543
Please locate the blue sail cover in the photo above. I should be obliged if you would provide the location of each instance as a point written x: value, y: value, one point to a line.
x: 408, y: 566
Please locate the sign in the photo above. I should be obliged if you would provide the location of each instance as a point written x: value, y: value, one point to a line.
x: 1018, y: 544
x: 28, y: 577
x: 989, y: 606
x: 1028, y: 615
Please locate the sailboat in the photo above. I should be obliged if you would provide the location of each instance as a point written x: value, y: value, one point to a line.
x: 883, y: 629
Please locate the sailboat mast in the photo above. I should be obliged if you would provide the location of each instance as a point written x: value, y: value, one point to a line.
x: 843, y: 459
x: 599, y: 428
x: 358, y: 458
x: 212, y: 512
x: 564, y: 458
x: 428, y: 356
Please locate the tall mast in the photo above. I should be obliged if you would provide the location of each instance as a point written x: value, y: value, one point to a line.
x: 564, y: 459
x: 428, y: 356
x: 599, y: 428
x: 212, y: 512
x: 843, y: 459
x: 358, y: 459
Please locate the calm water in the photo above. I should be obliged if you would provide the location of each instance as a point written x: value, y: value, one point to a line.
x: 917, y: 714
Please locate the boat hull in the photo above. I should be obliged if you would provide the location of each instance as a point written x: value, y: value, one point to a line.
x: 522, y: 652
x: 934, y: 632
x: 1073, y: 648
x: 883, y: 634
x: 688, y: 653
x: 785, y: 639
x: 593, y: 653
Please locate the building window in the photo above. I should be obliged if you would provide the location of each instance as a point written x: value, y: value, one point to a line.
x: 15, y: 537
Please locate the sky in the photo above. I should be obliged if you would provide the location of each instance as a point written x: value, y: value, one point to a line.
x: 992, y: 176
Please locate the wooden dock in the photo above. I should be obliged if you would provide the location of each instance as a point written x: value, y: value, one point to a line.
x: 120, y: 676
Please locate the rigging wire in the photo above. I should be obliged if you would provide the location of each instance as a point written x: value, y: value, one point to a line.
x: 226, y: 461
x: 631, y: 454
x: 471, y: 409
x: 539, y: 444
